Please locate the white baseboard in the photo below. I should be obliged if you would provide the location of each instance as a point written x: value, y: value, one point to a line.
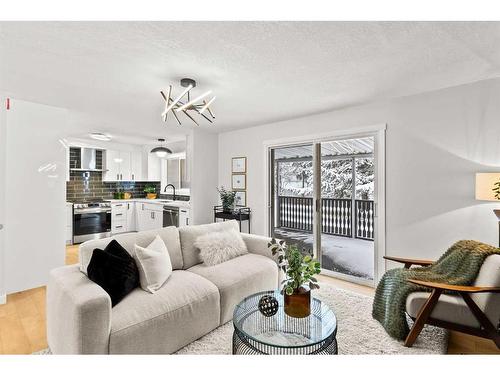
x: 3, y: 299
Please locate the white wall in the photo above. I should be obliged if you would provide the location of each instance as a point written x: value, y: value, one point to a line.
x: 35, y: 208
x: 435, y: 142
x: 202, y: 146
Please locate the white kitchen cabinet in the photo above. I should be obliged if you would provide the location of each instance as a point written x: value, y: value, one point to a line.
x: 125, y: 164
x: 141, y: 218
x: 184, y: 216
x: 131, y: 217
x: 149, y: 216
x: 154, y: 167
x: 136, y: 166
x: 121, y: 166
x: 111, y: 163
x: 157, y: 219
x: 119, y: 218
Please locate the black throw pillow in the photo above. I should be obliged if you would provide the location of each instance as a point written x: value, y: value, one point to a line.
x: 114, y: 270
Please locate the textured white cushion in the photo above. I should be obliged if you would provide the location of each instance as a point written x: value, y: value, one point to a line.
x: 188, y: 235
x: 154, y: 264
x: 218, y: 247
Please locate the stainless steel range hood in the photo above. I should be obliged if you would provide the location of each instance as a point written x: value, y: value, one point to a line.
x: 88, y: 162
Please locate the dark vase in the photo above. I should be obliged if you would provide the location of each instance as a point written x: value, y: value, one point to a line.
x: 298, y: 304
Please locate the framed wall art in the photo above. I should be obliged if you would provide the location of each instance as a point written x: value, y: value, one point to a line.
x: 239, y: 165
x: 241, y: 198
x: 239, y: 181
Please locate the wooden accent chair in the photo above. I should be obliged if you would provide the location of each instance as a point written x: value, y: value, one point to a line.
x: 474, y: 310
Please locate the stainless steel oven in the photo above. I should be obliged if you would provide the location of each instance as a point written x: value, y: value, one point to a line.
x: 91, y: 221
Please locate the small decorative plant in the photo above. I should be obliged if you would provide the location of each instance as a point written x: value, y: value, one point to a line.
x: 227, y: 198
x: 299, y: 269
x: 496, y: 190
x: 299, y: 280
x: 150, y: 191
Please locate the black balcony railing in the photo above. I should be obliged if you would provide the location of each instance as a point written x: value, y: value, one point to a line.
x: 337, y: 216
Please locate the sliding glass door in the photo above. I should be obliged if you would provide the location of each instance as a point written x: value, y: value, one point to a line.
x: 292, y: 182
x: 347, y: 208
x: 340, y: 176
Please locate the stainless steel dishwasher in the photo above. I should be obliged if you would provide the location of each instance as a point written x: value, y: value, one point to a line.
x: 170, y: 216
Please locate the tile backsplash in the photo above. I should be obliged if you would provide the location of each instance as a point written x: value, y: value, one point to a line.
x: 81, y: 188
x: 89, y: 185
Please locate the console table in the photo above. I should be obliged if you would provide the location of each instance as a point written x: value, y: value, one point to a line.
x: 239, y: 214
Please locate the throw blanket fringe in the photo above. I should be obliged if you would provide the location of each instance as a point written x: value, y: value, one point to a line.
x: 459, y: 265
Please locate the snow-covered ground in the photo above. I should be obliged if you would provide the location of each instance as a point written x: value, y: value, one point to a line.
x: 350, y: 256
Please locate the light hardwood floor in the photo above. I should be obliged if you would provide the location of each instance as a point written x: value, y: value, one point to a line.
x: 22, y: 320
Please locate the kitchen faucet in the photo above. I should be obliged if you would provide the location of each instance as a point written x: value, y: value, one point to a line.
x: 173, y: 187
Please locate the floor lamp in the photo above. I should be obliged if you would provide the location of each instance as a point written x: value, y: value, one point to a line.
x: 488, y: 189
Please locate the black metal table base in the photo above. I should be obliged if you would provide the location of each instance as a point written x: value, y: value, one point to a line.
x: 243, y: 345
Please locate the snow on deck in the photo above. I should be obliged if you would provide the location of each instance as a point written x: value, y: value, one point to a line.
x: 346, y: 255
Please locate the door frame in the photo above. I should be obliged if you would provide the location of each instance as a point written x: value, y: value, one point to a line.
x: 378, y: 133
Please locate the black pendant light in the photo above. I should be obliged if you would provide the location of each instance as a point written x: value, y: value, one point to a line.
x: 161, y: 151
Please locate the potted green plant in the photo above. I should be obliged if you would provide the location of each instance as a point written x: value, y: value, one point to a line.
x: 150, y: 191
x: 227, y: 198
x: 299, y: 279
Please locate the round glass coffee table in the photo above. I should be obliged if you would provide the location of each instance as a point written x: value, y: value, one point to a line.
x: 255, y: 333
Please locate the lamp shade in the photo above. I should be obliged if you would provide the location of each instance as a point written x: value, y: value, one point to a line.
x: 485, y: 185
x: 161, y: 151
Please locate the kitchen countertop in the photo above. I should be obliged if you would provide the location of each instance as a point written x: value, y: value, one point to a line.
x: 163, y: 202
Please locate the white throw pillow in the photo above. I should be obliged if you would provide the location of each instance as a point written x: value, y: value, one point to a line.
x: 154, y: 264
x: 218, y: 247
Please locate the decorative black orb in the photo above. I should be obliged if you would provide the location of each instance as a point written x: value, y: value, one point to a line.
x: 268, y: 305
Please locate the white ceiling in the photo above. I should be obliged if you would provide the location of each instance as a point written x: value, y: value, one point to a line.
x: 110, y: 73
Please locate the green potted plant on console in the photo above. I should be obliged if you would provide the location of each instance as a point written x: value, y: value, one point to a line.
x: 299, y: 280
x: 227, y: 198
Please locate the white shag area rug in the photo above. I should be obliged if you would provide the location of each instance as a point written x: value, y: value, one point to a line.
x: 357, y: 333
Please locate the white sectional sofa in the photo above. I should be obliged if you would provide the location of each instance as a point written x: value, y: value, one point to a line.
x: 195, y: 299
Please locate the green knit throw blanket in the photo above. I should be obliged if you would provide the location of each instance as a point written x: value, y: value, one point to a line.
x: 459, y: 265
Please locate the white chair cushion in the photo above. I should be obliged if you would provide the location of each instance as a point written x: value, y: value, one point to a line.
x: 489, y: 275
x: 449, y: 308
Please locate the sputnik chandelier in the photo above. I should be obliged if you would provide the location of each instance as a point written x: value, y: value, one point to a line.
x: 188, y: 106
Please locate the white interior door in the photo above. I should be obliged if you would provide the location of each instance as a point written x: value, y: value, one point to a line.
x: 35, y: 182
